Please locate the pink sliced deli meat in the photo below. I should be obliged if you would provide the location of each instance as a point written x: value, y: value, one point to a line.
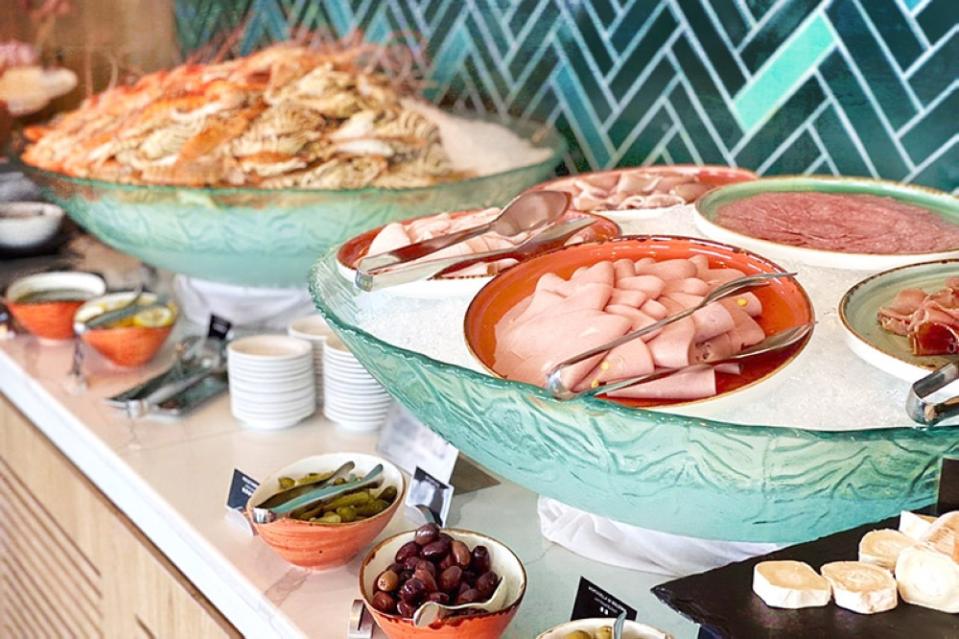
x: 929, y: 320
x: 601, y: 302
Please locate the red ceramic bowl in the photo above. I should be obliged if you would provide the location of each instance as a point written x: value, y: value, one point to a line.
x: 127, y: 346
x: 51, y: 321
x: 356, y: 249
x: 320, y: 546
x: 484, y: 625
x: 785, y: 302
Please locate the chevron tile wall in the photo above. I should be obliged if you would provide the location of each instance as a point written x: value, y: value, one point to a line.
x: 856, y: 87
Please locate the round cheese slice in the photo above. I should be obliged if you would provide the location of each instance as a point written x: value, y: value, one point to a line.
x: 861, y: 587
x: 789, y: 584
x: 882, y: 547
x: 943, y: 534
x: 928, y: 578
x: 913, y: 525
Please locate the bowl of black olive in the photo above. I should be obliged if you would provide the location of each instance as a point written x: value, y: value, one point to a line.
x: 451, y: 567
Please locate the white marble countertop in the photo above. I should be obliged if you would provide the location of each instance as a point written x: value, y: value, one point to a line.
x: 171, y: 479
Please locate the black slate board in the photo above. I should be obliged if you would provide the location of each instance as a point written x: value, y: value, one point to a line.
x: 722, y: 601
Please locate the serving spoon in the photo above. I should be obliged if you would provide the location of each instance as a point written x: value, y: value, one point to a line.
x: 76, y: 375
x: 526, y: 212
x: 554, y: 382
x: 430, y: 611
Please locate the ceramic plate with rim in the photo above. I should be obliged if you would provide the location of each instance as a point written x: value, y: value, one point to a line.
x: 938, y: 202
x: 887, y: 351
x: 785, y: 304
x: 453, y: 285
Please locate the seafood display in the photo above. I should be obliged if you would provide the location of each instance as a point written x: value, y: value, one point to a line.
x: 843, y: 222
x: 602, y: 302
x: 285, y: 117
x: 930, y: 321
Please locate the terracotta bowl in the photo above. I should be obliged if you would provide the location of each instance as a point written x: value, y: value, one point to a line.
x: 785, y: 302
x: 631, y: 630
x: 51, y: 321
x: 127, y: 346
x: 320, y: 546
x: 484, y: 625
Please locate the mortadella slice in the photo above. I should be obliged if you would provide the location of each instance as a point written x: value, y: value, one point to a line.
x: 627, y: 297
x: 695, y: 382
x: 671, y: 348
x: 701, y: 262
x: 626, y: 360
x: 532, y: 348
x: 712, y: 320
x: 668, y: 269
x: 744, y: 301
x: 688, y: 285
x: 392, y: 237
x: 600, y: 272
x: 654, y: 308
x: 650, y: 284
x: 624, y: 268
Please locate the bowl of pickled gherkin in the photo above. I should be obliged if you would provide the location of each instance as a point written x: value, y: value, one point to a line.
x: 329, y: 532
x: 456, y: 568
x: 601, y: 629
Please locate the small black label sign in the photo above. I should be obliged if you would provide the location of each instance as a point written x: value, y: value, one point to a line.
x: 241, y: 489
x: 592, y: 601
x: 948, y: 486
x: 219, y: 327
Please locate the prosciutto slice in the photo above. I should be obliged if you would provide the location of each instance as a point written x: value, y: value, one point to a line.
x: 598, y: 303
x: 929, y: 321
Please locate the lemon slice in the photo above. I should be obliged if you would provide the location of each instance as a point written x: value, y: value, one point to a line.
x: 159, y: 317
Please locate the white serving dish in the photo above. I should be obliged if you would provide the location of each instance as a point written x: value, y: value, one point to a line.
x: 25, y: 225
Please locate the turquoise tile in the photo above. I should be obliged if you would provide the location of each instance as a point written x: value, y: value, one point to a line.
x: 781, y: 75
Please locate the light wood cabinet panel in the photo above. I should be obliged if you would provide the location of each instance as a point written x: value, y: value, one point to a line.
x: 72, y: 565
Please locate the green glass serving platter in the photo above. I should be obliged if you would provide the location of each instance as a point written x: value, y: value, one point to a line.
x: 269, y: 237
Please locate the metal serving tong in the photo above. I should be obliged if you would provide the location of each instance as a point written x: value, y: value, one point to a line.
x: 771, y: 344
x: 526, y: 212
x: 927, y: 413
x: 554, y: 382
x: 553, y: 237
x: 322, y: 491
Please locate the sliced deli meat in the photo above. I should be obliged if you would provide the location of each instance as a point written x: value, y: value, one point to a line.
x: 930, y: 321
x: 790, y: 584
x: 928, y: 578
x: 861, y: 587
x: 843, y: 222
x: 605, y: 300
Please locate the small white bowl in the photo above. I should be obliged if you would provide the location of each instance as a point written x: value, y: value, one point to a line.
x: 631, y: 630
x: 264, y: 349
x: 312, y: 328
x: 25, y: 225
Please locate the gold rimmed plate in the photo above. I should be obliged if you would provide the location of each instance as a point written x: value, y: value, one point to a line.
x: 859, y: 309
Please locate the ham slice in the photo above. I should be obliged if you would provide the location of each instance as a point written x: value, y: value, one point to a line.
x: 668, y: 269
x: 695, y: 382
x: 627, y: 297
x: 930, y: 321
x: 671, y: 348
x: 608, y: 299
x: 624, y: 268
x: 392, y: 237
x: 650, y: 284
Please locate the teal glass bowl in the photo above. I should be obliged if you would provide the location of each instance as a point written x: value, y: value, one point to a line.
x: 675, y: 474
x: 268, y: 237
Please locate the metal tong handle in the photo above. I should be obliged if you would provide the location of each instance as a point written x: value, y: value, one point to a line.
x: 554, y: 382
x: 267, y: 515
x: 368, y: 281
x: 780, y: 340
x: 929, y: 414
x: 411, y: 252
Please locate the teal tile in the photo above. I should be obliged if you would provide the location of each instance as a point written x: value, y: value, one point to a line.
x: 781, y: 75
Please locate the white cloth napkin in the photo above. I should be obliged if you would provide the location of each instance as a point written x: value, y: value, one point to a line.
x: 618, y: 544
x: 243, y: 306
